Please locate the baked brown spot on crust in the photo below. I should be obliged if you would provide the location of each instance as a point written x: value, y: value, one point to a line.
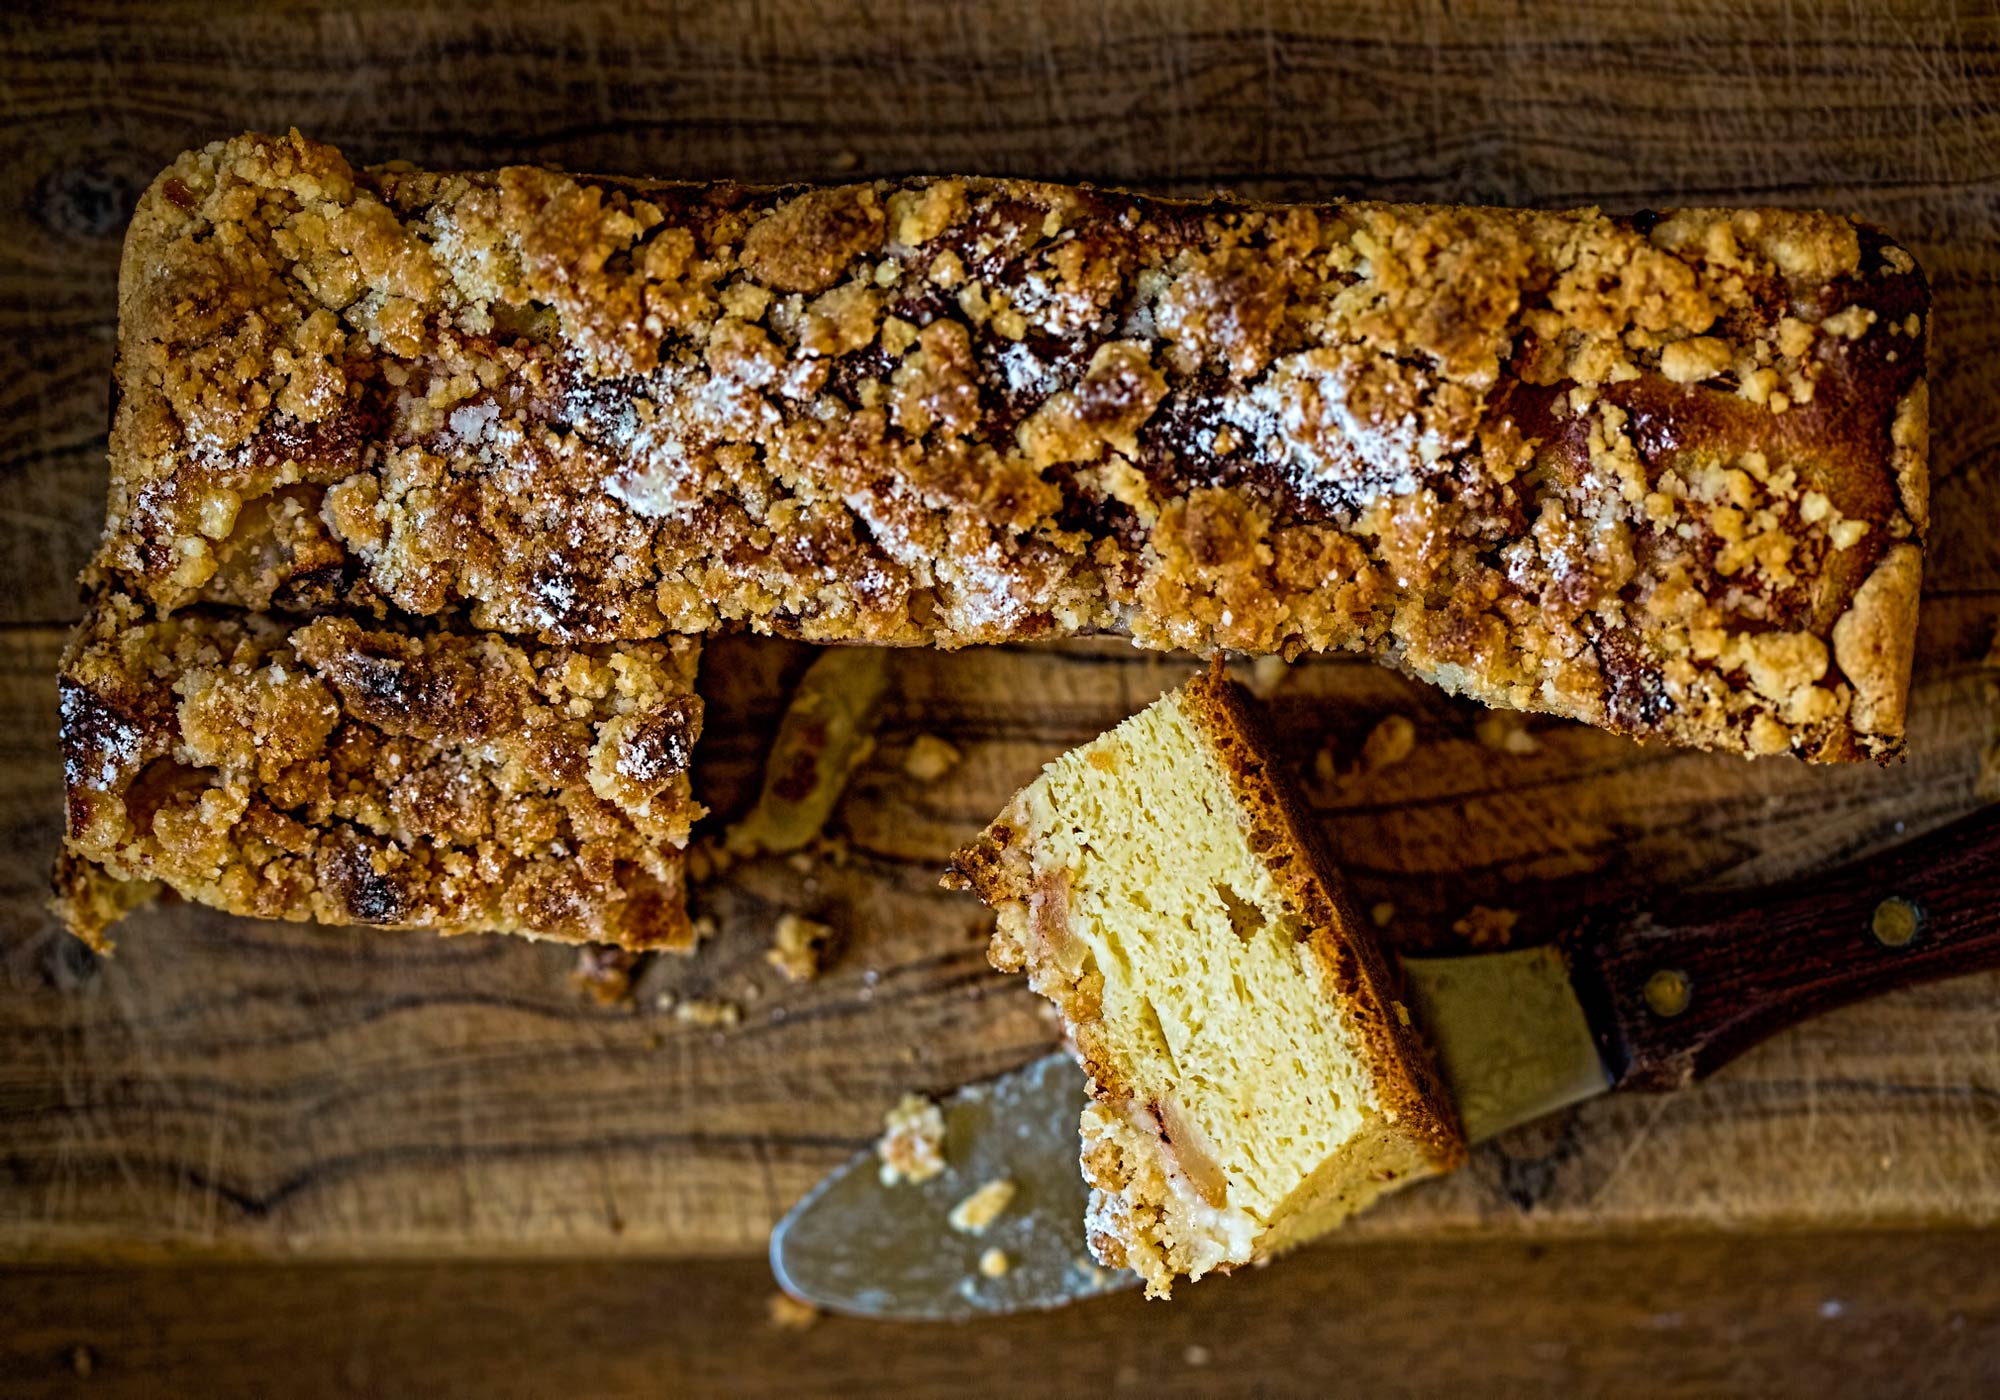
x: 358, y: 890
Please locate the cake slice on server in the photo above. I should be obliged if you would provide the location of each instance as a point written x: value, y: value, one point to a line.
x: 1253, y: 1079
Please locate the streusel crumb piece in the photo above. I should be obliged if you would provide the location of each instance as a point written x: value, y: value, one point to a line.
x: 930, y: 758
x: 707, y: 1012
x: 912, y: 1143
x: 977, y: 1212
x: 798, y: 947
x: 789, y: 1314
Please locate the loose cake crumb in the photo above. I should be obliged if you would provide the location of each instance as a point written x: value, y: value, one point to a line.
x: 702, y: 1011
x: 974, y: 1214
x: 994, y: 1263
x: 930, y: 758
x: 1197, y: 1355
x: 707, y: 861
x: 1382, y: 913
x: 1326, y: 765
x: 912, y: 1142
x: 789, y: 1314
x: 1267, y: 673
x: 1388, y: 743
x: 1487, y: 928
x: 1506, y: 731
x: 797, y: 947
x: 827, y: 732
x: 605, y: 972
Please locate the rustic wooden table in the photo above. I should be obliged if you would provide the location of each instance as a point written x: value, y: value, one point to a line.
x: 245, y: 1158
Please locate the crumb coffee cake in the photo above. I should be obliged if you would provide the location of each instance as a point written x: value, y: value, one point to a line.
x: 1664, y: 473
x: 355, y: 773
x: 1253, y: 1081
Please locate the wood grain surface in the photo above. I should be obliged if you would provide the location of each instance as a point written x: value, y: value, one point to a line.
x: 247, y: 1089
x: 1891, y: 1314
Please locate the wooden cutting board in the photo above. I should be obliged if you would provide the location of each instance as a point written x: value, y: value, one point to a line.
x: 245, y: 1088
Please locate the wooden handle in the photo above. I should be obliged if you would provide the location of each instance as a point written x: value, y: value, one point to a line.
x: 1676, y: 992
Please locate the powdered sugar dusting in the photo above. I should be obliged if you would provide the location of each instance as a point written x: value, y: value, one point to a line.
x: 473, y: 422
x: 101, y: 748
x: 979, y: 590
x: 1305, y: 419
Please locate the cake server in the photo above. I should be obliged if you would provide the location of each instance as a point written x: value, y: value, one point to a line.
x: 1632, y: 999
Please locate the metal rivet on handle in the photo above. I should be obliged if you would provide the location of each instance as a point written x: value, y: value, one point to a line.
x: 1668, y: 992
x: 1895, y: 922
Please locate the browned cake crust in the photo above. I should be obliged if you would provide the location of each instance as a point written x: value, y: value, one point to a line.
x: 1662, y: 473
x: 998, y: 868
x: 354, y: 773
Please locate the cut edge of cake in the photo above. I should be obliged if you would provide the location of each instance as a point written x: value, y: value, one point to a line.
x: 1171, y: 1139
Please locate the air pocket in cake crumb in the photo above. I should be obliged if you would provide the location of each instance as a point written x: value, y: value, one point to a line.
x: 1245, y: 918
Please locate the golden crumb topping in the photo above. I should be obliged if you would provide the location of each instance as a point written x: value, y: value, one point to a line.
x: 353, y: 773
x: 1562, y: 461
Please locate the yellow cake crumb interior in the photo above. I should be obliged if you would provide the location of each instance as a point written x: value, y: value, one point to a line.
x: 1240, y: 1112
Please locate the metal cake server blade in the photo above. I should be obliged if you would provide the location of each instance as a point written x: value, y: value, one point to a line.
x: 1512, y: 1043
x: 856, y: 1246
x: 1510, y: 1037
